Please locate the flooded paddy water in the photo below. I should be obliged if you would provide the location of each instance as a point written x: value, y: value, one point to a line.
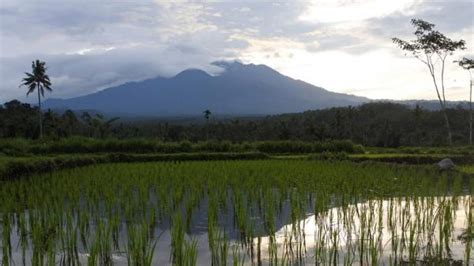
x: 238, y: 213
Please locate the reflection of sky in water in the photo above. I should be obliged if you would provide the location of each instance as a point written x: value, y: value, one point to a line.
x: 344, y: 239
x: 332, y: 221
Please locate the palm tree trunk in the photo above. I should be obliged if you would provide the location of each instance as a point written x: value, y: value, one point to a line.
x: 40, y: 114
x: 470, y: 109
x: 207, y: 129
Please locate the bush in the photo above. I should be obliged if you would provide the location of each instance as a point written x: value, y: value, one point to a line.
x: 186, y: 146
x: 14, y: 146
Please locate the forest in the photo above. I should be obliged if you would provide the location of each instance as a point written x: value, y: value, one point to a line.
x: 381, y: 124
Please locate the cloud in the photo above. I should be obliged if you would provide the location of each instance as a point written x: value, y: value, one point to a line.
x: 451, y: 17
x: 77, y: 74
x: 92, y: 44
x: 337, y: 11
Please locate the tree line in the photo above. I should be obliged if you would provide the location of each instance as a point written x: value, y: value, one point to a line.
x: 382, y: 124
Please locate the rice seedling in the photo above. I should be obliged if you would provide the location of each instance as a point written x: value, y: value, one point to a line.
x: 275, y: 212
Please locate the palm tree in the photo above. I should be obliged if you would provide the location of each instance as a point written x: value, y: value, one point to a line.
x: 37, y: 80
x: 207, y: 114
x: 468, y: 64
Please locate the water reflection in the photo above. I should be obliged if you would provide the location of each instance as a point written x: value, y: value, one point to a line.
x: 385, y: 231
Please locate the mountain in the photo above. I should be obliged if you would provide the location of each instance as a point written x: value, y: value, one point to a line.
x: 241, y: 89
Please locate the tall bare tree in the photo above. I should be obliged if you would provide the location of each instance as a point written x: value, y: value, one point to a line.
x: 468, y: 64
x: 37, y: 80
x: 432, y: 48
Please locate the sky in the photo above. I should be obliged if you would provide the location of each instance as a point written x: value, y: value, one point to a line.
x: 341, y: 45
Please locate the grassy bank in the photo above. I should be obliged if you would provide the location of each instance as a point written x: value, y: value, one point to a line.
x: 13, y: 167
x: 22, y: 157
x: 459, y: 159
x: 461, y: 150
x: 21, y: 147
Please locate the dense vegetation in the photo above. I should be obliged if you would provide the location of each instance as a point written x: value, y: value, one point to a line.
x: 227, y: 212
x: 22, y: 147
x: 380, y: 124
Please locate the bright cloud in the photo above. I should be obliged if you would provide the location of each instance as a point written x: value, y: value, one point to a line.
x: 335, y: 11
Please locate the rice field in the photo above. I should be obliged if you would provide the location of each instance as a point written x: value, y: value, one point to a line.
x: 262, y: 212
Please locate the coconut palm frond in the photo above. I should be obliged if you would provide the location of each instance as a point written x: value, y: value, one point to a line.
x: 37, y: 80
x: 31, y: 89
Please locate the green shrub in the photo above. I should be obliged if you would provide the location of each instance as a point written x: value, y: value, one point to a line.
x: 14, y: 145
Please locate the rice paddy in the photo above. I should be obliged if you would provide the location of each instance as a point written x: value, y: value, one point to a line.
x: 263, y: 212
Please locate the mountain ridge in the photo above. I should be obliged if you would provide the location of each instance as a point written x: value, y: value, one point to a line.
x: 240, y: 89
